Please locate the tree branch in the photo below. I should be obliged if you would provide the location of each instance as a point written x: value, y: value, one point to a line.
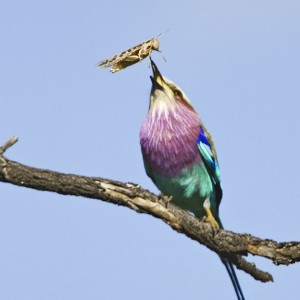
x: 225, y: 243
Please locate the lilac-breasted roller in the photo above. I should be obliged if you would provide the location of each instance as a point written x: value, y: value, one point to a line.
x: 180, y: 157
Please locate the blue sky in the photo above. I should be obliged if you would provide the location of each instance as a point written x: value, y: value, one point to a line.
x: 237, y: 61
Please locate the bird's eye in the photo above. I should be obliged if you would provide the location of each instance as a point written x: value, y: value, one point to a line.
x: 178, y: 93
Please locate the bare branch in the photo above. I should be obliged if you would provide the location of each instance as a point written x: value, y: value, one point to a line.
x: 223, y: 242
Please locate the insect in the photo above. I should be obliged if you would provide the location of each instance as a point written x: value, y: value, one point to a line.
x: 131, y: 56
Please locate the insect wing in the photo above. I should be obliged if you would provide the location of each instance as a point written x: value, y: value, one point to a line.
x: 108, y: 62
x: 126, y: 62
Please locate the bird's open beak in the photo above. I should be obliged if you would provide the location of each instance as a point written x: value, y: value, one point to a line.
x: 157, y: 79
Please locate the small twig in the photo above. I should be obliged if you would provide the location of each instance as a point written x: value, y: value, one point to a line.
x: 8, y: 144
x: 251, y: 269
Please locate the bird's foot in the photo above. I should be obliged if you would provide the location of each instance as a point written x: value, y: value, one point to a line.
x: 209, y: 216
x: 166, y: 199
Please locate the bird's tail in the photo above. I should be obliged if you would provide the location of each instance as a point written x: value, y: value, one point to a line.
x: 231, y: 272
x: 235, y: 282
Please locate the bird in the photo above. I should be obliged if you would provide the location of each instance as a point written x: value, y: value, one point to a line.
x: 180, y: 157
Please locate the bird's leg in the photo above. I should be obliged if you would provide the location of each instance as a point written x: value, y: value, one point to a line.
x: 210, y: 218
x: 166, y: 199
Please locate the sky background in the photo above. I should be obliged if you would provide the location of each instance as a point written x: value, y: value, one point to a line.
x: 239, y: 64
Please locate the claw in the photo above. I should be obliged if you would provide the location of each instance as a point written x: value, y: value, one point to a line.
x: 210, y: 218
x: 166, y: 199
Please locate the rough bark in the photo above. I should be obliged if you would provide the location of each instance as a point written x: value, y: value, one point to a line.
x: 225, y: 243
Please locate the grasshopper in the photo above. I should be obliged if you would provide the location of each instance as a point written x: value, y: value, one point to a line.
x: 131, y: 56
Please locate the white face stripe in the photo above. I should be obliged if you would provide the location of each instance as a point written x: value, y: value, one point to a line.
x: 173, y: 86
x: 164, y: 101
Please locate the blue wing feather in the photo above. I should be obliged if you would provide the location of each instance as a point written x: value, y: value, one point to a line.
x: 208, y: 154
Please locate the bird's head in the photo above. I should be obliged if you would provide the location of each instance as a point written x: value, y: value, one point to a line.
x: 165, y: 95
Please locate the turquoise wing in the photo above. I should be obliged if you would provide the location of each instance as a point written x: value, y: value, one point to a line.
x: 209, y: 157
x: 208, y: 154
